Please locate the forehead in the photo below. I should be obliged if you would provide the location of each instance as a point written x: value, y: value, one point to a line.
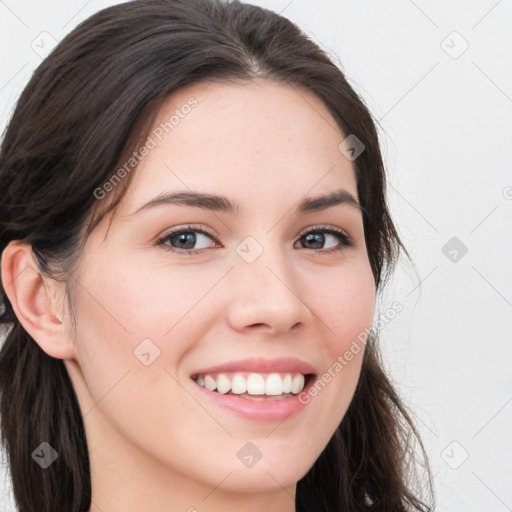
x: 247, y: 140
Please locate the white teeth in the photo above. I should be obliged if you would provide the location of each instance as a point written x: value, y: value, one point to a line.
x: 287, y: 384
x: 239, y: 385
x: 255, y: 384
x: 209, y: 383
x: 273, y: 384
x: 297, y: 384
x: 223, y: 384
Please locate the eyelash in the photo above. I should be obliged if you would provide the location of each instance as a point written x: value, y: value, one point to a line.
x: 346, y: 240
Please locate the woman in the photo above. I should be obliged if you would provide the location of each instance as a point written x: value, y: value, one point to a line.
x: 194, y: 232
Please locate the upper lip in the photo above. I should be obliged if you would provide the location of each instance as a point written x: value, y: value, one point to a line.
x: 261, y: 365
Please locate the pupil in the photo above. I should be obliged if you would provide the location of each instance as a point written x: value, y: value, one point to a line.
x: 192, y: 239
x: 318, y: 236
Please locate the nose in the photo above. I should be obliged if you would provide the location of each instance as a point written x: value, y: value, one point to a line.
x: 267, y: 295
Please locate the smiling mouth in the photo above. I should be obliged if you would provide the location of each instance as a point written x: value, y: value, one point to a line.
x: 255, y: 386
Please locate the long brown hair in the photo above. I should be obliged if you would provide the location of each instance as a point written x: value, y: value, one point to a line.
x: 85, y: 108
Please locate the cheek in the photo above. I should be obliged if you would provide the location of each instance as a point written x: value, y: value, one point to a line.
x: 161, y: 299
x: 344, y: 301
x: 136, y: 301
x: 122, y: 304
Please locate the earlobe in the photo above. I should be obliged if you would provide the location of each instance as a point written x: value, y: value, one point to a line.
x: 34, y: 300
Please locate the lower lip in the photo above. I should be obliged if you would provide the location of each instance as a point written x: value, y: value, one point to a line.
x: 264, y: 410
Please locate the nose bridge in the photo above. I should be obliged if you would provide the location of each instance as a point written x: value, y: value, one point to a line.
x: 259, y: 260
x: 266, y: 291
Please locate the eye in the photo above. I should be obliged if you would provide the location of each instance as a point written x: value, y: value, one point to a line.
x: 183, y: 240
x: 317, y: 237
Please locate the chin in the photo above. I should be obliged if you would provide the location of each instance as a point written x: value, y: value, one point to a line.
x: 273, y: 474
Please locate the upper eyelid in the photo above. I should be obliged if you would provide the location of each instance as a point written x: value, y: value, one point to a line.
x: 319, y: 227
x: 186, y: 228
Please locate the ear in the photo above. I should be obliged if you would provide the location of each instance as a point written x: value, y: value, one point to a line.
x: 37, y: 300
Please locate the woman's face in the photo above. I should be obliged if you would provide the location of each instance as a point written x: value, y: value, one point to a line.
x: 238, y: 296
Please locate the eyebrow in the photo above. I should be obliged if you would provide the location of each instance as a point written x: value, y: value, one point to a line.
x: 223, y: 204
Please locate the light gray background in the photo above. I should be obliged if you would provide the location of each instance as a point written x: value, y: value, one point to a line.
x: 446, y: 126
